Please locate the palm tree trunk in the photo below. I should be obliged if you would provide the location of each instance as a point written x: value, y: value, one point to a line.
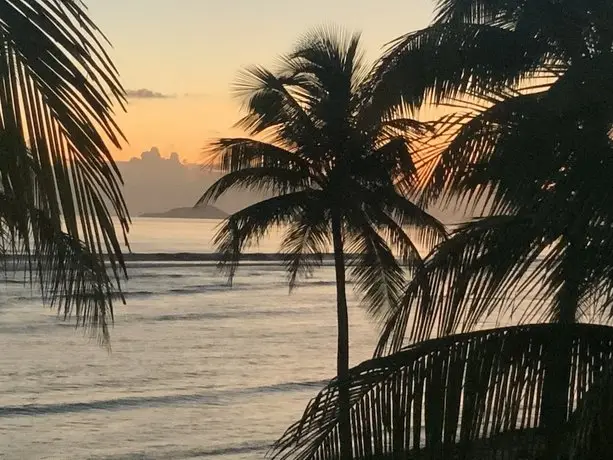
x: 554, y: 410
x: 559, y: 360
x: 556, y: 381
x: 342, y: 357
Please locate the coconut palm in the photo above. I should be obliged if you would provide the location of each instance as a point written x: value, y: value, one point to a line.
x: 337, y: 165
x: 531, y: 137
x: 466, y: 396
x: 59, y: 185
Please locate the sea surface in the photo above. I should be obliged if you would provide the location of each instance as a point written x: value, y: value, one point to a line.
x: 197, y: 369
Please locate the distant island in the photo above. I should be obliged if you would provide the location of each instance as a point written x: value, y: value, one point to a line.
x: 201, y: 212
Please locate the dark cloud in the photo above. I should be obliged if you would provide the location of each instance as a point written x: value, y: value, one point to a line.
x: 144, y: 93
x: 157, y: 183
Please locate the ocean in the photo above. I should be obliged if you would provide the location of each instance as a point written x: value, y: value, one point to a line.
x: 197, y: 369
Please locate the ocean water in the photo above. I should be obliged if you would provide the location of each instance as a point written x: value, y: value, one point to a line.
x: 197, y: 370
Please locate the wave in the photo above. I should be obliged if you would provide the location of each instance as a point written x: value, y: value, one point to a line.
x: 207, y: 257
x: 167, y: 259
x: 148, y: 275
x: 218, y: 315
x: 308, y: 283
x: 208, y: 288
x: 218, y: 398
x: 164, y: 259
x: 107, y: 405
x: 194, y: 317
x: 226, y: 450
x: 182, y: 290
x: 291, y: 386
x: 197, y: 289
x: 244, y: 448
x: 172, y: 291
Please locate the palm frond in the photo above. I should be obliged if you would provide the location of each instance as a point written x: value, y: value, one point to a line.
x: 428, y: 230
x: 393, y: 157
x: 559, y: 220
x: 331, y: 59
x: 589, y: 431
x: 70, y: 277
x: 445, y: 62
x: 373, y: 266
x: 484, y: 152
x: 56, y: 117
x: 466, y: 396
x: 407, y: 126
x: 398, y: 238
x: 234, y: 154
x: 379, y: 246
x: 246, y: 227
x: 273, y: 109
x: 264, y: 179
x: 307, y: 240
x: 571, y: 27
x: 465, y: 280
x: 496, y: 12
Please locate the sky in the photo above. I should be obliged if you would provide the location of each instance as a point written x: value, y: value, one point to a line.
x: 178, y: 58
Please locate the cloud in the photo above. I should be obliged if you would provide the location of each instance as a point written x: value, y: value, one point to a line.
x: 144, y: 93
x: 156, y: 183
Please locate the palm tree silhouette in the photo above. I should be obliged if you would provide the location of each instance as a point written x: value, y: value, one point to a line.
x: 530, y: 86
x: 338, y: 165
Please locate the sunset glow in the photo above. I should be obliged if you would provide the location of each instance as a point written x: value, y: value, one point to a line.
x: 191, y: 54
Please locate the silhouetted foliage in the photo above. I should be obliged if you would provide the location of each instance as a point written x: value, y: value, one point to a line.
x: 477, y: 395
x: 58, y: 182
x: 529, y: 84
x: 337, y: 165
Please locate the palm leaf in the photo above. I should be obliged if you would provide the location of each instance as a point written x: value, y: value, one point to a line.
x: 234, y: 154
x: 445, y: 63
x: 71, y: 278
x: 466, y: 168
x: 589, y: 433
x: 464, y: 281
x: 326, y: 54
x: 306, y: 241
x: 58, y: 90
x: 475, y: 395
x: 374, y: 268
x: 267, y: 180
x: 273, y: 109
x: 246, y: 227
x: 428, y: 230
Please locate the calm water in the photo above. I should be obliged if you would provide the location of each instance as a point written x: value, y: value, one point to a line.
x: 197, y: 370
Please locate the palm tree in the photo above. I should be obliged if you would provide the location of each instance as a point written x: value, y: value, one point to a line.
x: 337, y: 164
x: 531, y: 137
x: 59, y: 185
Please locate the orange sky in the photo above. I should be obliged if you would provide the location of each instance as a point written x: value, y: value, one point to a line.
x: 181, y: 124
x: 191, y: 51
